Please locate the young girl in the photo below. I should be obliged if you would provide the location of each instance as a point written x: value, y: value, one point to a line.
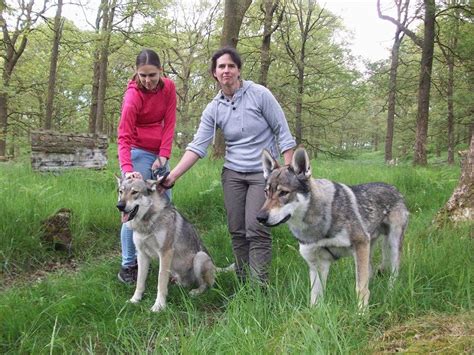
x: 145, y: 136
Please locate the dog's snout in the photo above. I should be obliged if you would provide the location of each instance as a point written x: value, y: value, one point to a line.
x: 121, y: 206
x: 262, y: 216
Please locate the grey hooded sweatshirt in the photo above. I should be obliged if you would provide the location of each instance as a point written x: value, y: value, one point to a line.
x: 252, y: 121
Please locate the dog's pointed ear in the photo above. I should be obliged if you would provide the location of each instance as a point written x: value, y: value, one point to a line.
x: 300, y: 162
x: 151, y: 185
x: 119, y: 179
x: 269, y: 164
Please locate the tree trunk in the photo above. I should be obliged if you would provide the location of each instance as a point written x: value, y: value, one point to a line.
x: 268, y: 7
x: 424, y: 87
x: 96, y: 70
x: 460, y: 206
x: 308, y: 23
x: 299, y: 106
x: 104, y: 57
x: 449, y: 56
x: 234, y: 12
x: 58, y: 24
x: 3, y: 123
x: 450, y: 92
x: 94, y: 94
x: 392, y: 93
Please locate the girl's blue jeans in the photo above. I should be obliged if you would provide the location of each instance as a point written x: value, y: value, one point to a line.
x: 142, y: 162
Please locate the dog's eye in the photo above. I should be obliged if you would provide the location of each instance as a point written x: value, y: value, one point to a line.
x: 266, y: 192
x: 134, y: 192
x: 283, y: 193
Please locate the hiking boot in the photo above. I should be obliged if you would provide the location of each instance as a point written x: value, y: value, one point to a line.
x: 128, y: 274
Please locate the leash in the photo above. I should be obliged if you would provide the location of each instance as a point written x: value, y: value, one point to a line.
x: 162, y: 173
x: 167, y: 187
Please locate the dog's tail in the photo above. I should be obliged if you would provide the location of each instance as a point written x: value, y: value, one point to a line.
x: 229, y: 268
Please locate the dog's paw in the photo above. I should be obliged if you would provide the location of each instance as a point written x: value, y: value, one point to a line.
x: 196, y: 292
x: 362, y: 310
x: 157, y: 307
x: 135, y: 299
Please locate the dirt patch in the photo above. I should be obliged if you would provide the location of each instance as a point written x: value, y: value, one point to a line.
x: 41, y: 271
x: 24, y: 277
x: 434, y: 333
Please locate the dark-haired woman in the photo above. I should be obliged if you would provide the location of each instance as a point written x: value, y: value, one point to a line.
x: 145, y: 136
x: 251, y: 120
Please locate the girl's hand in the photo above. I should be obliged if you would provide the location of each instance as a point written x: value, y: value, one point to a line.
x: 158, y: 163
x: 133, y: 175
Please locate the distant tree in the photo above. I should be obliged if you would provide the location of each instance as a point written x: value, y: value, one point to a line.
x: 106, y: 33
x: 426, y: 64
x: 58, y: 26
x: 402, y: 17
x: 448, y: 44
x: 191, y: 33
x: 104, y: 21
x: 392, y: 93
x: 96, y: 69
x: 316, y: 71
x: 114, y: 27
x: 307, y: 21
x: 15, y: 37
x: 269, y: 9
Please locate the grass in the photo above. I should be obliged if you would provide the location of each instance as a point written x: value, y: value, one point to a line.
x: 85, y: 310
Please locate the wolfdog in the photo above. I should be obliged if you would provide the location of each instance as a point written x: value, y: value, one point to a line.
x: 160, y: 231
x: 331, y: 220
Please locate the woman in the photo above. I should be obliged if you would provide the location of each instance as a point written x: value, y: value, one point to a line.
x: 251, y: 120
x: 145, y: 136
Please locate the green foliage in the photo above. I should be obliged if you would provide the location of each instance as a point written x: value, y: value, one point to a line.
x: 333, y: 101
x: 86, y: 310
x: 454, y: 37
x: 343, y: 108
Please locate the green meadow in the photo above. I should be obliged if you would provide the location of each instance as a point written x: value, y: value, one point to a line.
x: 60, y: 302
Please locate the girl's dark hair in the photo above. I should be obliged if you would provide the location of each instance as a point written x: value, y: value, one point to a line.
x: 219, y: 53
x: 147, y: 57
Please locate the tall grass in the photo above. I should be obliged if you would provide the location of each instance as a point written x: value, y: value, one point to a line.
x: 86, y: 311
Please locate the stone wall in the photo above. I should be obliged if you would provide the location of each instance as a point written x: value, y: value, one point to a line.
x: 53, y: 151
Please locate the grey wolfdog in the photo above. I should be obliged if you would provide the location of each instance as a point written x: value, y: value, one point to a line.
x: 160, y: 231
x: 331, y: 220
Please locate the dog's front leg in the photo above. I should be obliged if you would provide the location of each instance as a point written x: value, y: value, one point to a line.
x: 318, y: 273
x: 143, y: 265
x: 362, y: 266
x: 166, y: 258
x: 318, y: 270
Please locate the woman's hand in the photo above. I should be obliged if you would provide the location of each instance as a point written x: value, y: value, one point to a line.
x: 167, y: 182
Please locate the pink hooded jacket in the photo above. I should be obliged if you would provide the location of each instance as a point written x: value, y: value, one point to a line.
x: 147, y: 122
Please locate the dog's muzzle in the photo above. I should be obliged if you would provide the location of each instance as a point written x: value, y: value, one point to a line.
x: 262, y: 217
x: 126, y: 216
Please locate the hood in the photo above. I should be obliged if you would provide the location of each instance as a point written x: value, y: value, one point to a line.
x: 132, y: 85
x: 246, y: 84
